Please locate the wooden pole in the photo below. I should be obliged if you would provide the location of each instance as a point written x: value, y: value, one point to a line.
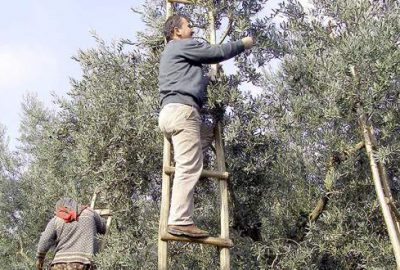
x: 94, y: 198
x: 180, y: 1
x: 166, y: 189
x: 377, y: 169
x: 224, y: 252
x: 387, y: 215
x: 385, y: 182
x: 170, y: 9
x: 103, y: 213
x: 212, y: 37
x: 165, y: 200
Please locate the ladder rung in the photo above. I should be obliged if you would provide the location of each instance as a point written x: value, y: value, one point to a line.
x: 204, y: 173
x: 104, y: 212
x: 214, y: 241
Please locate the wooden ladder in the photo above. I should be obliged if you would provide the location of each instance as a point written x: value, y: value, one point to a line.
x: 103, y: 212
x: 223, y: 242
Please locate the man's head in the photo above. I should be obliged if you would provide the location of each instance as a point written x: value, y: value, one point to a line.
x: 68, y: 203
x: 177, y: 27
x: 68, y: 209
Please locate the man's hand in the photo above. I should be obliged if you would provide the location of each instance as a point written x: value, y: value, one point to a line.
x: 248, y: 42
x: 39, y: 264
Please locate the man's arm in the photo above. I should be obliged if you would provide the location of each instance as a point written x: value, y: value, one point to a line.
x: 46, y: 241
x: 205, y: 53
x: 100, y: 223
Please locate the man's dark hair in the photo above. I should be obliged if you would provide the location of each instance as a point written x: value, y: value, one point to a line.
x: 172, y: 22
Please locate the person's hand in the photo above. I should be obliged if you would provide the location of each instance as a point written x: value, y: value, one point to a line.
x: 248, y: 42
x: 39, y: 264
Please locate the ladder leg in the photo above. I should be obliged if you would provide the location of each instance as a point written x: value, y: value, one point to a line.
x: 224, y: 252
x: 166, y: 190
x: 102, y: 213
x: 165, y: 200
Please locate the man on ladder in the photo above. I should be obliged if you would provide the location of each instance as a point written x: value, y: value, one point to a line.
x: 182, y: 92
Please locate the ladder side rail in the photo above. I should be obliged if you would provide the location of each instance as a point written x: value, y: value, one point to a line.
x: 224, y: 252
x: 166, y: 188
x: 165, y: 201
x: 220, y: 156
x: 94, y: 198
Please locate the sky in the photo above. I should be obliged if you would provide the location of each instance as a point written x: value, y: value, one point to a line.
x: 38, y: 39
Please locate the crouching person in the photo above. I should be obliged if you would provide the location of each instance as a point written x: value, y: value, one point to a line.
x: 72, y: 232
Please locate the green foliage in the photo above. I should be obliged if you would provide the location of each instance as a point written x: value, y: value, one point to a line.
x: 318, y: 101
x: 338, y: 61
x: 10, y: 204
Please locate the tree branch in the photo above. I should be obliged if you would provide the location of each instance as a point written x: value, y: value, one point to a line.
x: 228, y: 29
x: 334, y: 162
x: 181, y: 1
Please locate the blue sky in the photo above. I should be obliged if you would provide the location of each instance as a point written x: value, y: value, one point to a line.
x: 38, y: 39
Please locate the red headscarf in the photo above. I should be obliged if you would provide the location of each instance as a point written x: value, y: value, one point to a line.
x: 68, y: 209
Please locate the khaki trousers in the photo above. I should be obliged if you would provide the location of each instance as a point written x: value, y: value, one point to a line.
x: 183, y: 126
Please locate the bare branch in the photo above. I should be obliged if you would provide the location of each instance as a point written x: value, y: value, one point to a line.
x: 228, y: 30
x: 181, y: 1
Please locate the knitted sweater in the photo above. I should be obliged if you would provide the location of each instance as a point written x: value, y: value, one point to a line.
x: 75, y: 241
x: 181, y: 79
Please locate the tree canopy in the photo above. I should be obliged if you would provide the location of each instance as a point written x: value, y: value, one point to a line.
x: 293, y: 145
